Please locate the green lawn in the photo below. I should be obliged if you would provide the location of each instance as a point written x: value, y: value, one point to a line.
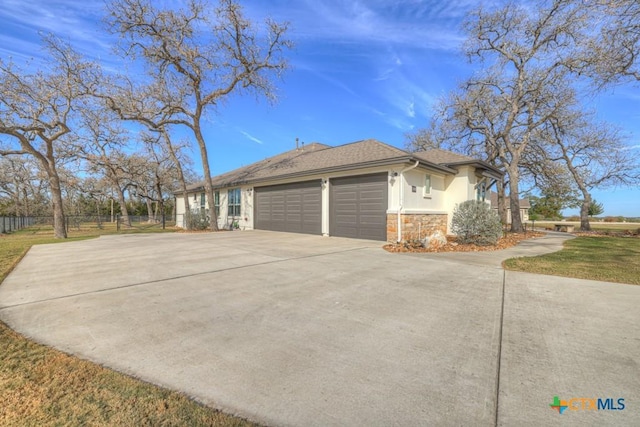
x: 611, y: 259
x: 45, y: 387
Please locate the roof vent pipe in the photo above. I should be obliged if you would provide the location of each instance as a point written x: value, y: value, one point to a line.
x: 297, y: 139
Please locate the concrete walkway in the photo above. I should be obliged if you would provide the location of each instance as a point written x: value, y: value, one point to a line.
x: 292, y: 329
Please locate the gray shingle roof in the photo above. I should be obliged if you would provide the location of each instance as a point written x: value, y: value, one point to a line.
x: 311, y: 158
x: 317, y: 158
x: 443, y: 157
x: 493, y: 197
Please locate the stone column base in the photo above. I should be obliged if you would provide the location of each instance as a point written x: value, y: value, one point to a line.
x: 415, y: 226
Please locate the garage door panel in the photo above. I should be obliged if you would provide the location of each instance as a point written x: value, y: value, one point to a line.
x: 293, y: 207
x: 371, y: 206
x: 358, y: 207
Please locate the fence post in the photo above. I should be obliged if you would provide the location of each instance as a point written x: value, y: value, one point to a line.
x: 117, y: 222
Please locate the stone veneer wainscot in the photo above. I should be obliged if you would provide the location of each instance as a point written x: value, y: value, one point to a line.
x: 415, y: 226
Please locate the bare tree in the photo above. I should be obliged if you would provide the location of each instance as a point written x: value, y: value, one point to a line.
x: 23, y: 187
x: 163, y: 173
x: 593, y: 153
x: 522, y: 83
x: 102, y: 145
x: 202, y: 57
x: 610, y: 53
x: 37, y: 111
x: 151, y: 106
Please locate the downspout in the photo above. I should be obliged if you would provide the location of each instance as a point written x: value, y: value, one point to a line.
x: 401, y: 201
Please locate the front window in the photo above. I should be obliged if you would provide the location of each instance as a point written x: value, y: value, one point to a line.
x: 427, y: 185
x: 216, y: 203
x: 234, y: 202
x: 481, y: 192
x: 202, y: 201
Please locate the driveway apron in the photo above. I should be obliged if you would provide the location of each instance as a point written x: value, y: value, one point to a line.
x: 290, y: 329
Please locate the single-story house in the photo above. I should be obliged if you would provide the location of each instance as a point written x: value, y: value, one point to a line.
x: 524, y: 207
x: 365, y: 189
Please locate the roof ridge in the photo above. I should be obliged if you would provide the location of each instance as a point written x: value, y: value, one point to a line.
x: 442, y: 150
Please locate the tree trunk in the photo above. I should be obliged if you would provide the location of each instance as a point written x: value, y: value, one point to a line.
x: 149, y: 210
x: 502, y: 205
x: 159, y: 213
x: 26, y: 202
x: 59, y: 226
x: 16, y: 202
x: 208, y: 184
x: 123, y: 207
x: 584, y: 212
x: 514, y: 201
x: 183, y: 184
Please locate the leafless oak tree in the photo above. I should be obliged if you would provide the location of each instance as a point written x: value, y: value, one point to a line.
x: 610, y: 53
x: 202, y: 55
x: 523, y: 81
x: 152, y: 106
x: 593, y: 153
x: 103, y: 145
x: 37, y: 113
x: 23, y: 187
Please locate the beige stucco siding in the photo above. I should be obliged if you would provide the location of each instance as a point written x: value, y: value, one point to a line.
x: 459, y: 188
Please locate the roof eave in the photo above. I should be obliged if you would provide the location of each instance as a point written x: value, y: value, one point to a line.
x: 478, y: 164
x: 356, y: 166
x: 319, y: 171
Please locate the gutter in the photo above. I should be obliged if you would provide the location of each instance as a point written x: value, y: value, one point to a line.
x: 401, y: 201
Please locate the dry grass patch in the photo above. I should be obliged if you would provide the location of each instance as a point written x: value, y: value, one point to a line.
x: 41, y: 386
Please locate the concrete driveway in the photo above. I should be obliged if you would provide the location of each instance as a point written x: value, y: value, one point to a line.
x: 289, y: 329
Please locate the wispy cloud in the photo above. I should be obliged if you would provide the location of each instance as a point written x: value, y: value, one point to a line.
x: 432, y: 24
x: 411, y: 109
x: 75, y: 21
x: 250, y: 137
x: 316, y: 70
x: 384, y: 75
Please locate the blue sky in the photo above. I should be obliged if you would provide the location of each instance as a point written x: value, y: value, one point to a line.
x: 359, y: 69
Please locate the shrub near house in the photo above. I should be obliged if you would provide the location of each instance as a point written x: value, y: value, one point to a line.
x: 474, y: 222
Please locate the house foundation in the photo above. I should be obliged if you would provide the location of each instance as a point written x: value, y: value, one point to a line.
x: 415, y: 226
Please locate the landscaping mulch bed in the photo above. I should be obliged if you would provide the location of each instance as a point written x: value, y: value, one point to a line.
x: 509, y: 240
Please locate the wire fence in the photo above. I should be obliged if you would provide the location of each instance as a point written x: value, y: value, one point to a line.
x: 86, y: 222
x: 14, y: 223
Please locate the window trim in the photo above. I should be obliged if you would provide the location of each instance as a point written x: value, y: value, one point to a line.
x: 481, y: 191
x: 426, y: 192
x: 234, y: 203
